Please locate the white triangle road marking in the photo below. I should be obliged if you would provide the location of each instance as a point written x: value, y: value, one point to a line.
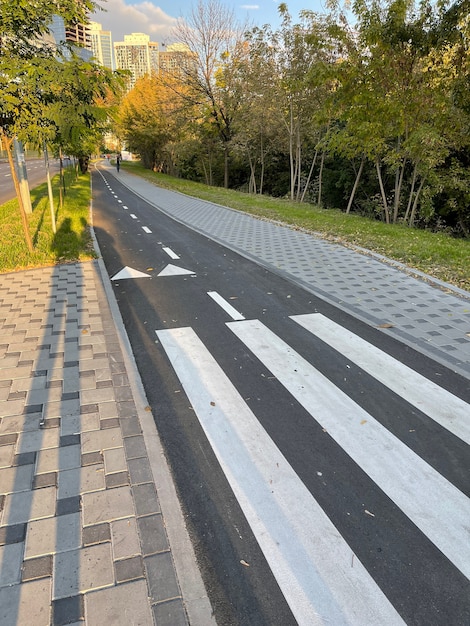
x: 129, y: 272
x: 174, y: 270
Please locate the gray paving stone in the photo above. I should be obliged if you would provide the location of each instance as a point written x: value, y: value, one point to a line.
x: 161, y: 577
x: 15, y: 479
x: 68, y: 611
x: 52, y: 535
x: 14, y: 533
x: 120, y: 605
x: 19, y: 602
x: 145, y: 498
x: 106, y: 506
x: 29, y: 505
x: 79, y: 423
x: 125, y: 538
x: 115, y: 460
x: 67, y: 506
x: 38, y: 440
x: 99, y: 533
x: 139, y: 470
x: 97, y: 440
x: 56, y: 459
x: 78, y: 571
x: 129, y: 569
x: 11, y: 559
x: 37, y: 568
x: 81, y: 480
x: 6, y: 455
x: 152, y: 534
x: 118, y: 479
x: 135, y: 447
x: 45, y: 480
x: 170, y: 613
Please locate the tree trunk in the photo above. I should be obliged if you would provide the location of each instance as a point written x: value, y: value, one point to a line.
x: 356, y: 184
x: 410, y: 198
x: 299, y: 164
x: 49, y: 189
x: 382, y: 191
x: 320, y: 176
x: 252, y: 182
x: 398, y: 185
x: 415, y: 203
x: 226, y: 166
x: 291, y: 154
x: 309, y: 176
x: 261, y: 174
x: 8, y: 144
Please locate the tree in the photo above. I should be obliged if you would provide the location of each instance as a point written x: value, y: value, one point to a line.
x: 152, y: 119
x: 213, y: 36
x: 47, y: 93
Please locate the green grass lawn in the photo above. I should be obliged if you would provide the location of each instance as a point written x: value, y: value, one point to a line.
x: 71, y: 242
x: 436, y: 254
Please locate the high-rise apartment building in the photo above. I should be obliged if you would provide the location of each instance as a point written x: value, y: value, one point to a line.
x: 176, y: 59
x: 73, y: 34
x: 100, y: 42
x: 138, y: 55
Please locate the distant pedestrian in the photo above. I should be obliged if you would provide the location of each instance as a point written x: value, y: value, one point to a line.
x: 118, y: 162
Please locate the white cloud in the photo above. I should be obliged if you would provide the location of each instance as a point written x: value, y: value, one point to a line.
x: 250, y: 7
x: 144, y: 17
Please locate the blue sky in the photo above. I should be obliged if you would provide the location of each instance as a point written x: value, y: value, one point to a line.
x: 157, y: 17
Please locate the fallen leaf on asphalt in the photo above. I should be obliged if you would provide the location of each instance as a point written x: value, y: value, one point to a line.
x: 84, y: 331
x: 387, y: 325
x: 147, y: 408
x: 368, y: 513
x: 244, y: 563
x: 363, y: 422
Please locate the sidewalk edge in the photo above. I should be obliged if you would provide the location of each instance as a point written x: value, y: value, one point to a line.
x: 193, y: 591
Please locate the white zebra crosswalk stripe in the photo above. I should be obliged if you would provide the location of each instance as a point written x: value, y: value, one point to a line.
x: 436, y: 506
x: 443, y: 407
x: 307, y: 555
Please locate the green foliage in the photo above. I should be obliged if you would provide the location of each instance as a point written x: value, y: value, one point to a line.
x: 373, y: 119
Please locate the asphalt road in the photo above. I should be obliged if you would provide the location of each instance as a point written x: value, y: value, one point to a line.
x: 310, y: 487
x: 36, y: 175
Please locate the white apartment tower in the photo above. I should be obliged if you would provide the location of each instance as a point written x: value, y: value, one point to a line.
x: 100, y: 42
x: 138, y: 55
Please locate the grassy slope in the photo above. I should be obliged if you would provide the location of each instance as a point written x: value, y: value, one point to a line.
x: 436, y: 254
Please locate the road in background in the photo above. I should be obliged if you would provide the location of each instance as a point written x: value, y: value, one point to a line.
x: 36, y: 175
x: 322, y: 464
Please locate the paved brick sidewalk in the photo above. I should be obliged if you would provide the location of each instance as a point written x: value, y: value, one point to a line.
x: 82, y: 535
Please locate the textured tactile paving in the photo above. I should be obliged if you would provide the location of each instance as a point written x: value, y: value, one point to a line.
x: 430, y: 315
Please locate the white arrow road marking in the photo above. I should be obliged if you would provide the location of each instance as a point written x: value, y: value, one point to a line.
x: 146, y: 229
x: 308, y: 556
x: 440, y: 405
x: 129, y: 272
x: 436, y: 506
x: 170, y: 253
x: 174, y: 270
x: 227, y: 307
